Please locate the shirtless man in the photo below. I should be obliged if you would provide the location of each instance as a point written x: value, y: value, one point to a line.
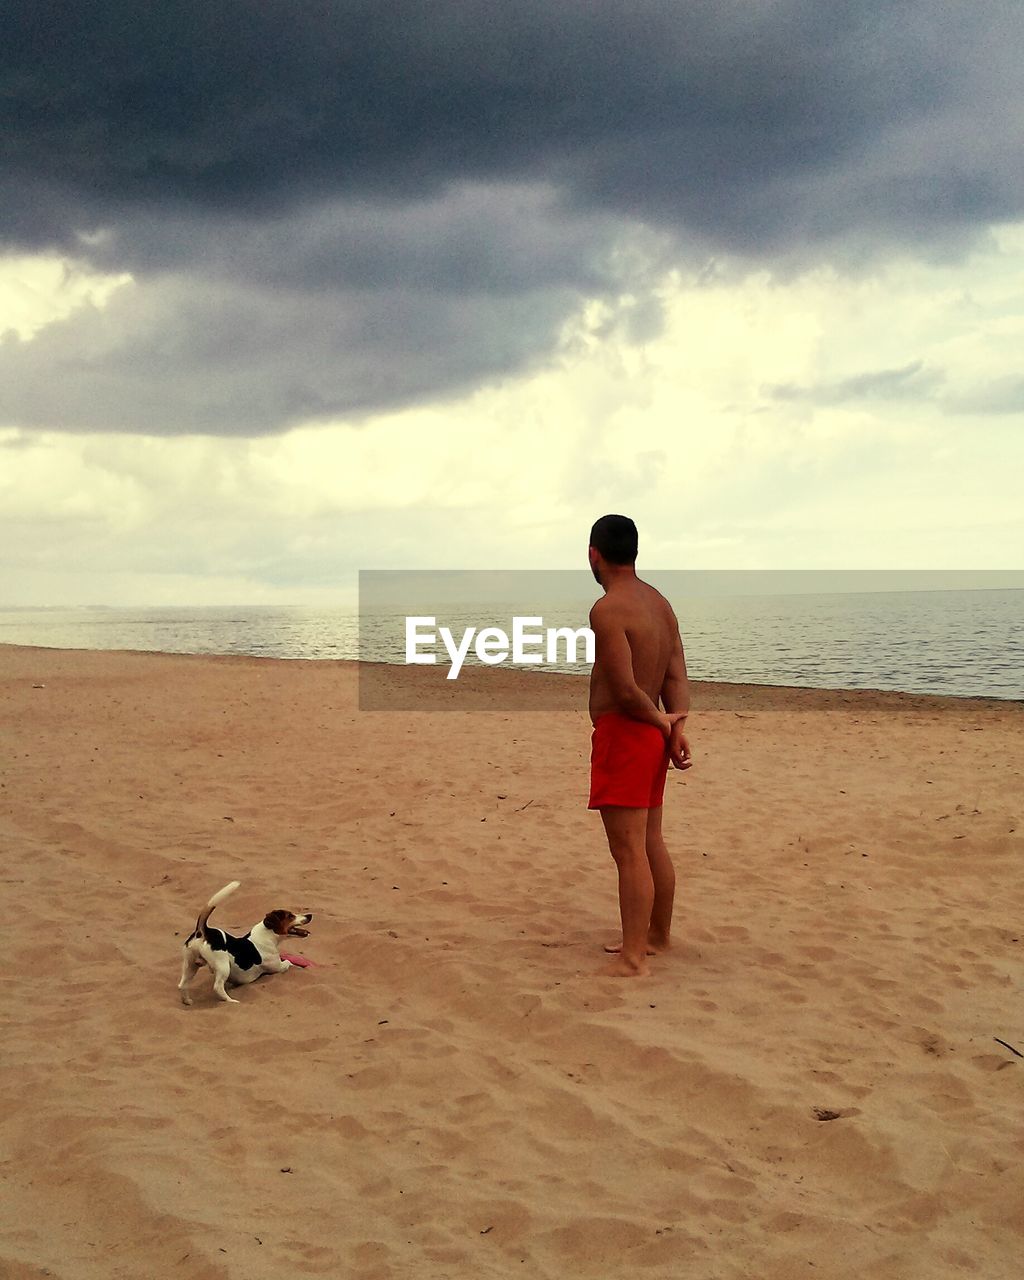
x: 638, y: 660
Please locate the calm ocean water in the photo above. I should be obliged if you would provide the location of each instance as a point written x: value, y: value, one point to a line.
x: 965, y: 643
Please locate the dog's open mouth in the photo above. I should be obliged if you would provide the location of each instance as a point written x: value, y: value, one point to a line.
x: 296, y: 932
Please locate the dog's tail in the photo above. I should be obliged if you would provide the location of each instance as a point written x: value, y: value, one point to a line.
x: 215, y: 901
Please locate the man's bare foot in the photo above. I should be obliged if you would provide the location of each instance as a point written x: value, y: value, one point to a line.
x: 655, y: 946
x: 620, y: 968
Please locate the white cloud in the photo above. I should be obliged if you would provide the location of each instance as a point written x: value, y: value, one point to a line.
x: 36, y: 291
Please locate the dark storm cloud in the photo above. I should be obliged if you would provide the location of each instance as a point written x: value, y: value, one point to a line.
x: 462, y: 167
x: 466, y: 240
x: 225, y: 359
x: 665, y: 109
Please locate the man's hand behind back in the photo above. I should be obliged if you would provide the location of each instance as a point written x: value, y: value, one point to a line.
x: 679, y: 747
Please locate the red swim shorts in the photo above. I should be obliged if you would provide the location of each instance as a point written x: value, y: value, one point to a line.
x: 628, y: 763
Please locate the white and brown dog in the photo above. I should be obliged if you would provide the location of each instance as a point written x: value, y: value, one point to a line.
x: 238, y: 960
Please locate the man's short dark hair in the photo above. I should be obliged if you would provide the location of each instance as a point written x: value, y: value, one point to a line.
x: 616, y: 539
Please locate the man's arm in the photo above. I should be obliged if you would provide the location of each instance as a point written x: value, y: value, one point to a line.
x: 613, y: 652
x: 675, y: 697
x: 675, y: 688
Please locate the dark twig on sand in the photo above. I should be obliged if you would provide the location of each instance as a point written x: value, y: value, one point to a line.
x: 521, y: 807
x: 1008, y: 1046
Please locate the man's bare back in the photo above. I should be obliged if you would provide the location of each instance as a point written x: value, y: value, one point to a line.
x: 634, y: 611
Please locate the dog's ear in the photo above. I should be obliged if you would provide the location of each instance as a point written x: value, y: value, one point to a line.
x: 278, y: 921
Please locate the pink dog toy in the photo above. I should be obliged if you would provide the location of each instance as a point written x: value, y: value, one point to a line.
x: 299, y: 961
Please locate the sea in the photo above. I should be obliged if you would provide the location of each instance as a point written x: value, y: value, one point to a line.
x: 963, y: 643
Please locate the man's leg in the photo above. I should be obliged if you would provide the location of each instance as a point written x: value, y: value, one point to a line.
x: 663, y: 874
x: 626, y: 830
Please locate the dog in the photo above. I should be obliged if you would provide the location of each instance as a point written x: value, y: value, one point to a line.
x: 237, y: 960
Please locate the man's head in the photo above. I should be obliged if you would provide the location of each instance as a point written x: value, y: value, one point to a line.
x: 613, y: 542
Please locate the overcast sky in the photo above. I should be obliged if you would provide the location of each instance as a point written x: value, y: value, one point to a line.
x: 289, y: 290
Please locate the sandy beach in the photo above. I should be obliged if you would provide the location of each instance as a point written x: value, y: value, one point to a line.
x: 810, y: 1084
